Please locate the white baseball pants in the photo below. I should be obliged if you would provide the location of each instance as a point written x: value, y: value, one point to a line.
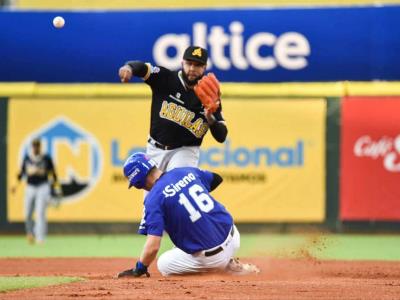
x: 167, y: 160
x: 175, y: 261
x: 36, y: 199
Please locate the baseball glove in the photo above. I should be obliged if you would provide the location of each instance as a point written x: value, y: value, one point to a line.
x: 56, y: 195
x: 207, y: 90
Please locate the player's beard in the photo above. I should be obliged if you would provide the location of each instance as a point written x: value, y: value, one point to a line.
x: 190, y: 82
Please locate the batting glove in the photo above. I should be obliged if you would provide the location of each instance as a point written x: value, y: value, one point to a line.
x: 138, y: 271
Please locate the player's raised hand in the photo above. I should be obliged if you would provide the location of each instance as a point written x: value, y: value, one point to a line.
x: 125, y: 73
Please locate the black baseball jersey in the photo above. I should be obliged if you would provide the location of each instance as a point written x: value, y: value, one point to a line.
x: 37, y: 169
x: 177, y: 115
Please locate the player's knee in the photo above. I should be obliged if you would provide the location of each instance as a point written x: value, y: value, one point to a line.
x: 236, y: 239
x: 163, y: 265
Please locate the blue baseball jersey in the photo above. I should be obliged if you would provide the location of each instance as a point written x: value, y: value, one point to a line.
x: 180, y: 204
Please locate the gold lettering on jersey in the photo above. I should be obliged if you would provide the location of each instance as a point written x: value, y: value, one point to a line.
x: 188, y: 119
x: 33, y: 169
x: 196, y: 125
x: 184, y: 117
x: 203, y: 129
x: 171, y: 111
x: 164, y: 110
x: 179, y: 114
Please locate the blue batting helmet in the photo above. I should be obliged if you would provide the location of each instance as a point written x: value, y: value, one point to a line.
x: 136, y: 168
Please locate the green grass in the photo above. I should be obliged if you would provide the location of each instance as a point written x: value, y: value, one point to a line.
x: 333, y: 246
x: 330, y: 246
x: 17, y: 283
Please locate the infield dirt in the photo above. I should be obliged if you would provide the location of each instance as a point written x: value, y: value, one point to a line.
x: 279, y: 279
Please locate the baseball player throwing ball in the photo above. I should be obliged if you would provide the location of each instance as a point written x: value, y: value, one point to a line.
x: 185, y: 104
x: 179, y: 202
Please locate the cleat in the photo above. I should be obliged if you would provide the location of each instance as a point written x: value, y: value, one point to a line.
x: 30, y: 238
x: 236, y: 267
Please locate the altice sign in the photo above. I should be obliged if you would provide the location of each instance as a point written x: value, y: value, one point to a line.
x: 228, y: 49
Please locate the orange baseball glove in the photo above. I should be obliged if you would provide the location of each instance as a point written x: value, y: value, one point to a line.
x: 207, y: 90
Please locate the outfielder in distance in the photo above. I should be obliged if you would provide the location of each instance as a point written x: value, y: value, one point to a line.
x: 200, y: 227
x: 37, y: 167
x: 185, y: 104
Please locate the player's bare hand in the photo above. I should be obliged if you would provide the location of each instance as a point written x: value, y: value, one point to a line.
x: 13, y: 190
x: 125, y: 73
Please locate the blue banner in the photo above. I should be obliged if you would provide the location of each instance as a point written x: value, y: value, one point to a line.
x: 245, y: 45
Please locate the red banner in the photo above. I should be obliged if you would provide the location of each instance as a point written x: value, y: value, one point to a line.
x: 370, y: 159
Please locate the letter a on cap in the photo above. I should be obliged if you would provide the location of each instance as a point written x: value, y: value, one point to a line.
x: 197, y: 52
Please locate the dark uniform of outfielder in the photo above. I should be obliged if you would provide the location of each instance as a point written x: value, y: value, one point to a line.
x: 37, y: 167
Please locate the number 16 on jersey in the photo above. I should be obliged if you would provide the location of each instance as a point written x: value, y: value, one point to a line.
x: 202, y: 200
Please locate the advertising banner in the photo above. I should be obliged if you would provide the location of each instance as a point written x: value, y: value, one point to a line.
x: 273, y: 162
x: 87, y: 140
x: 245, y: 45
x: 370, y: 159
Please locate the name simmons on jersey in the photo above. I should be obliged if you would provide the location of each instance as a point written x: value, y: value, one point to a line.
x: 183, y: 117
x: 171, y: 189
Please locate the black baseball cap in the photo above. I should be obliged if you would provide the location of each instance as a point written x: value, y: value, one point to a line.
x: 196, y: 53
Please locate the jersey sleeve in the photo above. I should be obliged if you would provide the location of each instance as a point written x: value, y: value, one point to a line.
x: 153, y: 218
x: 50, y: 167
x: 206, y: 178
x: 218, y: 114
x: 22, y: 172
x: 157, y: 77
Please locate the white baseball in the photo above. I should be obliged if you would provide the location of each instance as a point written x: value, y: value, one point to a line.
x: 58, y: 22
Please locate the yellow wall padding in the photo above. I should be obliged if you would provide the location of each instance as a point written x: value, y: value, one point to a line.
x: 229, y: 90
x: 375, y: 88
